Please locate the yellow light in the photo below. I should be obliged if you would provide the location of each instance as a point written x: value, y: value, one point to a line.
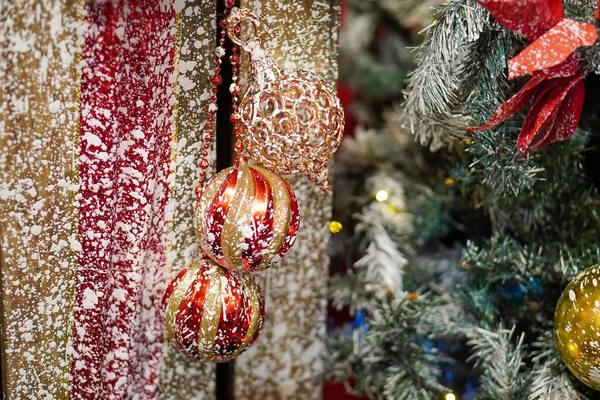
x: 450, y: 396
x: 392, y: 208
x: 335, y: 226
x: 468, y: 141
x: 449, y: 181
x: 572, y: 348
x: 382, y: 195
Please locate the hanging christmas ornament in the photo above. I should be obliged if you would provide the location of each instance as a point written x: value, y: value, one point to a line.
x: 247, y: 218
x: 577, y: 326
x: 213, y: 314
x: 291, y: 121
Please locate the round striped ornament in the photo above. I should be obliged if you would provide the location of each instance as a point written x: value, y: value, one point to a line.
x: 213, y: 314
x: 247, y: 218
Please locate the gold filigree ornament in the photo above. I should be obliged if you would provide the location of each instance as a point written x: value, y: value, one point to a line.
x: 291, y: 121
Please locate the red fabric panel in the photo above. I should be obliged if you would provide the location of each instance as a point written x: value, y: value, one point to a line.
x: 125, y: 155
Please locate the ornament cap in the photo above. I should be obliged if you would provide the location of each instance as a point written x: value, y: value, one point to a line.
x: 241, y: 160
x: 237, y: 16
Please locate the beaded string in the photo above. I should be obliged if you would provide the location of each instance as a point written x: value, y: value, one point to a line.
x: 235, y: 117
x: 211, y: 108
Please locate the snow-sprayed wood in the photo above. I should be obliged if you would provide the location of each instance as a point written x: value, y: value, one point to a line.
x: 285, y: 362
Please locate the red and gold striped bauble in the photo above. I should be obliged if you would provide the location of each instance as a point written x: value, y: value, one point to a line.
x: 247, y: 218
x: 213, y: 314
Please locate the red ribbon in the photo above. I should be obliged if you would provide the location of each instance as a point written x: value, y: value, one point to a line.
x: 556, y: 85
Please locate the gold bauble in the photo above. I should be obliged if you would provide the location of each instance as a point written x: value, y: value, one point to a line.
x: 577, y: 326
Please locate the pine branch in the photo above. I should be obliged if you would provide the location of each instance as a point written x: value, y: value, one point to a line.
x: 465, y: 314
x: 378, y: 274
x: 502, y: 260
x: 547, y: 384
x: 431, y: 106
x: 549, y: 376
x: 483, y: 84
x: 385, y: 358
x: 501, y: 361
x: 383, y: 263
x: 496, y: 165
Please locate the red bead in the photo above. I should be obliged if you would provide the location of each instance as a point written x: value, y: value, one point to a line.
x: 235, y: 118
x: 223, y: 23
x: 208, y: 126
x: 236, y: 128
x: 234, y: 58
x: 229, y: 3
x: 210, y: 118
x: 204, y: 153
x: 216, y: 80
x: 239, y: 147
x: 206, y: 146
x: 235, y: 89
x: 203, y: 164
x: 213, y: 98
x: 234, y: 107
x: 215, y: 90
x: 207, y: 137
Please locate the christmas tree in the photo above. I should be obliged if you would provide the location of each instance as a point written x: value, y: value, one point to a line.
x: 469, y: 202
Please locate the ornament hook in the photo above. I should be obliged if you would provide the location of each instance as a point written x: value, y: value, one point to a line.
x: 237, y: 16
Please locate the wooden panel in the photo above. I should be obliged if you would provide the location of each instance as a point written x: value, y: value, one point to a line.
x: 285, y: 362
x: 182, y: 377
x: 39, y: 150
x: 39, y: 190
